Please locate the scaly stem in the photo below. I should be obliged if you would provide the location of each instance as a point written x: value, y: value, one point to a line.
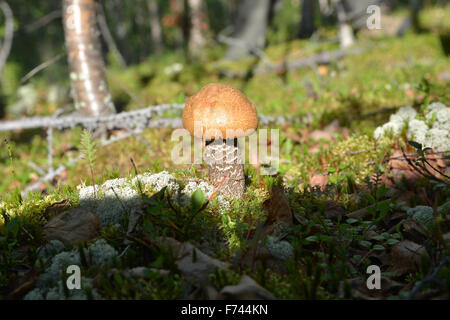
x: 224, y: 160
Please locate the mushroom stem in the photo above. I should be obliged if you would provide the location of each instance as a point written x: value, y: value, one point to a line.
x: 224, y: 160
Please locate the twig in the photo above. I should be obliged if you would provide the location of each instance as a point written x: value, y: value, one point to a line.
x: 423, y: 170
x: 50, y: 176
x: 125, y: 89
x: 43, y: 21
x: 9, y: 34
x: 107, y: 36
x: 34, y: 166
x: 41, y: 67
x: 430, y: 279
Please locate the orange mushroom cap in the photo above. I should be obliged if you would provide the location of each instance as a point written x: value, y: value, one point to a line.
x: 219, y: 110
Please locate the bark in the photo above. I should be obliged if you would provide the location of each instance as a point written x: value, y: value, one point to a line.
x: 346, y: 36
x: 225, y: 167
x: 307, y: 26
x: 249, y: 27
x: 155, y: 26
x: 87, y: 69
x: 196, y: 38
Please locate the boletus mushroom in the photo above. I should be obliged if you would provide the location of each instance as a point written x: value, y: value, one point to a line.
x: 219, y: 114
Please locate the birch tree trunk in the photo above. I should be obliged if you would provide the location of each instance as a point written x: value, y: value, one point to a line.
x: 87, y: 68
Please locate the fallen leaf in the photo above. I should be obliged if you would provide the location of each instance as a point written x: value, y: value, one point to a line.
x: 322, y: 70
x: 319, y: 180
x: 73, y: 226
x: 279, y: 212
x: 195, y: 265
x: 333, y: 210
x: 246, y: 289
x: 406, y: 257
x: 57, y: 207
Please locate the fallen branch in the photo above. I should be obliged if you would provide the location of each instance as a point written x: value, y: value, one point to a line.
x: 131, y: 120
x: 324, y: 57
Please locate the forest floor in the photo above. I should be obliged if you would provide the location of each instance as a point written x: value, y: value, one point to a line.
x: 341, y: 201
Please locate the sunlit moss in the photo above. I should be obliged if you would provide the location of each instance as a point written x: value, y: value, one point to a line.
x: 31, y: 208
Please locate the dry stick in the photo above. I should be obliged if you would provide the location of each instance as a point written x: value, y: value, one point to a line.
x: 442, y: 174
x: 136, y: 119
x: 9, y: 34
x: 107, y: 36
x: 43, y: 21
x: 423, y: 170
x: 41, y: 67
x: 429, y: 279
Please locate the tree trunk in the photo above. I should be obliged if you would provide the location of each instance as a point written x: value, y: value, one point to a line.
x: 87, y: 68
x: 307, y: 26
x: 196, y: 38
x: 155, y: 26
x: 250, y: 25
x: 346, y: 36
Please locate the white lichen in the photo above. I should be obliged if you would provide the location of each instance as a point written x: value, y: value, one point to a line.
x: 422, y: 214
x: 48, y: 251
x: 434, y: 132
x: 50, y: 282
x: 157, y: 181
x: 117, y: 197
x: 114, y: 198
x: 282, y: 250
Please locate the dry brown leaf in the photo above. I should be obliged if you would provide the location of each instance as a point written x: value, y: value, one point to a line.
x: 246, y: 289
x: 333, y: 210
x: 195, y: 265
x: 279, y: 212
x: 57, y: 207
x: 319, y: 180
x: 406, y: 257
x: 73, y: 226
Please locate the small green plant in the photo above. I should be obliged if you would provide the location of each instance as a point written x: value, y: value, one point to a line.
x: 16, y: 195
x: 422, y: 163
x: 89, y: 149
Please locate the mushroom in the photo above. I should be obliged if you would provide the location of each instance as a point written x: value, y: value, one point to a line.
x: 219, y: 114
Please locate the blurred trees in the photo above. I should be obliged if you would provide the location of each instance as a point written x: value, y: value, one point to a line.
x: 249, y: 27
x: 132, y: 31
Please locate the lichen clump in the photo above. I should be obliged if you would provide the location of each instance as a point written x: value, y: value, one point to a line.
x: 422, y: 214
x: 50, y: 284
x: 282, y: 250
x: 115, y: 198
x: 430, y: 128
